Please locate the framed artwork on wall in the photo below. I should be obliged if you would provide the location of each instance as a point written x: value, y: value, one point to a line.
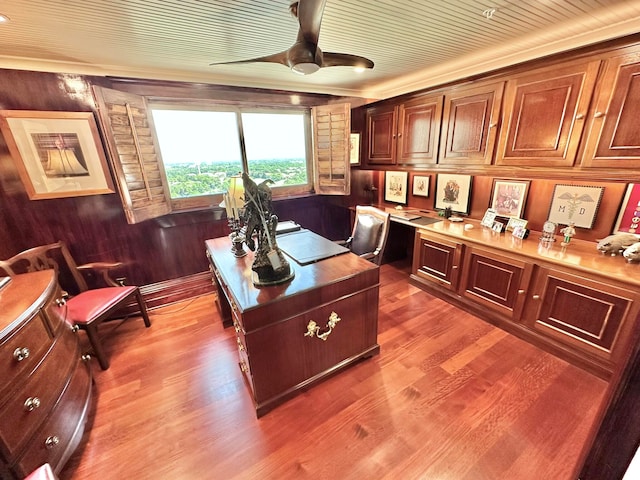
x: 421, y: 185
x: 395, y: 186
x: 57, y: 154
x: 628, y: 220
x: 509, y: 197
x: 354, y: 149
x: 575, y: 204
x: 453, y: 190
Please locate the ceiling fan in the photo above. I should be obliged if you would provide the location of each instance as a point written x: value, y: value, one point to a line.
x: 304, y: 56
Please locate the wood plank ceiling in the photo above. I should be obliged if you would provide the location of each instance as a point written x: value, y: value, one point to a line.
x: 414, y: 44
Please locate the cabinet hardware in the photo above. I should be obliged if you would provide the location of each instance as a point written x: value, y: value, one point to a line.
x: 536, y: 297
x: 61, y: 302
x: 31, y: 403
x: 51, y: 441
x: 520, y: 292
x: 313, y: 330
x: 86, y: 357
x: 240, y: 345
x: 243, y: 367
x: 21, y: 353
x: 579, y: 116
x: 454, y: 267
x: 598, y: 115
x: 75, y: 328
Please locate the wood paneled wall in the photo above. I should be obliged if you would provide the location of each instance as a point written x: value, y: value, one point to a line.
x: 95, y: 227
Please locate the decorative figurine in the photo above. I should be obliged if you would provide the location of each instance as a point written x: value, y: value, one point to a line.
x: 632, y: 253
x: 568, y: 232
x: 614, y: 244
x: 270, y: 266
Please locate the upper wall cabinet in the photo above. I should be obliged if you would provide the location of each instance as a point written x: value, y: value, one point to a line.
x: 614, y: 136
x: 469, y: 127
x: 405, y: 134
x: 544, y: 115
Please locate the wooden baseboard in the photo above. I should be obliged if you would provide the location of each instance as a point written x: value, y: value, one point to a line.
x: 175, y: 290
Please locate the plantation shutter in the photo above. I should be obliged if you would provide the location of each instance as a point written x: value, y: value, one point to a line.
x: 331, y: 134
x: 135, y: 156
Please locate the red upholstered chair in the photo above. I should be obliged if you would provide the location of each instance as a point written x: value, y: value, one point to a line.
x: 43, y: 472
x: 86, y: 308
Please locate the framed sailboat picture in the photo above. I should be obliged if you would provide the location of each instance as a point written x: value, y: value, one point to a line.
x: 57, y: 154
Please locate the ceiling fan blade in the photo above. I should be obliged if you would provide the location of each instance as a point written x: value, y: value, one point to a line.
x: 310, y: 17
x: 345, y: 60
x: 275, y: 58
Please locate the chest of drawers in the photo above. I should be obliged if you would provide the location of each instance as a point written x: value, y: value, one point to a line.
x: 45, y: 391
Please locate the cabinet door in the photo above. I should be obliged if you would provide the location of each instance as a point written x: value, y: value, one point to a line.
x: 418, y: 130
x: 496, y: 281
x: 438, y: 260
x: 586, y: 314
x: 470, y: 123
x: 381, y: 135
x: 544, y: 116
x: 614, y: 137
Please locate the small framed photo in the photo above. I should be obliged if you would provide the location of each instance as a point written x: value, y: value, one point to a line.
x: 488, y: 218
x: 421, y: 185
x: 514, y: 223
x: 497, y: 227
x: 354, y: 149
x: 509, y: 197
x: 575, y: 204
x: 395, y: 186
x: 628, y: 220
x: 520, y: 232
x: 453, y: 190
x: 57, y: 154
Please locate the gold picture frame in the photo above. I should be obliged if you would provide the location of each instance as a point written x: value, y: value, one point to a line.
x: 57, y: 154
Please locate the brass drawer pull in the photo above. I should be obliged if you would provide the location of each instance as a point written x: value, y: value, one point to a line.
x: 240, y: 345
x: 21, y: 353
x: 313, y: 330
x: 243, y: 367
x: 31, y: 403
x: 51, y: 442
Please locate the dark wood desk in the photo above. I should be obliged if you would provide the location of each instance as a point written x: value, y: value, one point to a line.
x: 277, y: 355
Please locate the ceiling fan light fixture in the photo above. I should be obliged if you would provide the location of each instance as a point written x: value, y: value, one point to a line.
x: 305, y: 68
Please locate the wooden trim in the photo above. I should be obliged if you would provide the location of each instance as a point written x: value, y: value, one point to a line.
x: 175, y: 290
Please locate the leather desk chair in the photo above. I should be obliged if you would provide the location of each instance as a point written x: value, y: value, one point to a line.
x: 87, y: 308
x: 370, y: 232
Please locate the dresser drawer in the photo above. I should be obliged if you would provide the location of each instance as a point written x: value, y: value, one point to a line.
x: 22, y: 351
x: 27, y: 408
x: 60, y: 433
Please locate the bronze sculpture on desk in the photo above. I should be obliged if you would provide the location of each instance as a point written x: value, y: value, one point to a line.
x: 270, y: 266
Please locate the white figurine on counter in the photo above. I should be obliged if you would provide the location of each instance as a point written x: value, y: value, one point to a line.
x: 568, y: 232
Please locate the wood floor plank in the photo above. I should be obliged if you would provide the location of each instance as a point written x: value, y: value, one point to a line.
x: 449, y: 397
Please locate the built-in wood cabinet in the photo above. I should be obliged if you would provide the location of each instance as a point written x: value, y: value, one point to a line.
x: 496, y: 280
x: 404, y: 134
x: 614, y: 136
x: 574, y: 302
x: 470, y: 125
x: 438, y: 259
x: 588, y: 314
x: 381, y: 135
x: 544, y: 115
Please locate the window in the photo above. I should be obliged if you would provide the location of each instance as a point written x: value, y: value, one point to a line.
x: 134, y: 151
x: 202, y: 149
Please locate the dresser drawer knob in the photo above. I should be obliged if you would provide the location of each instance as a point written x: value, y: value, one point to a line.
x: 75, y: 328
x: 31, y: 403
x: 51, y: 441
x: 86, y: 357
x: 21, y: 353
x: 61, y: 302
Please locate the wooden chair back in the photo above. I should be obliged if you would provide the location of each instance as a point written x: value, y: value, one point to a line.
x: 53, y: 256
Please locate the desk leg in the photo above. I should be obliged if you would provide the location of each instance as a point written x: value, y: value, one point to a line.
x: 223, y: 304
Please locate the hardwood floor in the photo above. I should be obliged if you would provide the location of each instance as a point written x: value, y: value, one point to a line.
x: 450, y: 397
